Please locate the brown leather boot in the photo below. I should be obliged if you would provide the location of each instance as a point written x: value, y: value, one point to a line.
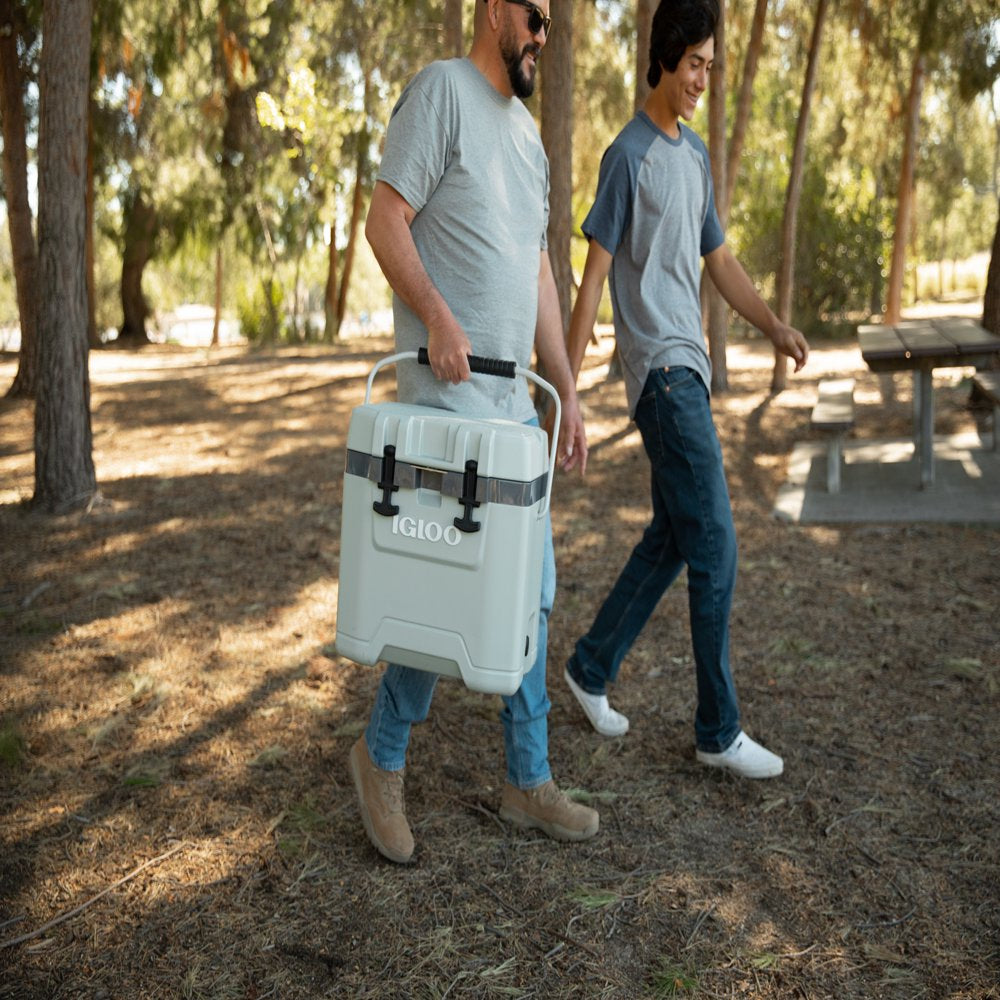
x: 547, y: 809
x: 380, y: 797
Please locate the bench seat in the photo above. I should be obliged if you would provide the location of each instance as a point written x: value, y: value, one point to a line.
x: 833, y: 415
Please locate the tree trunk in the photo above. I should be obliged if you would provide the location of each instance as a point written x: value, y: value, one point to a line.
x: 64, y: 465
x: 140, y: 235
x: 93, y: 337
x: 15, y: 176
x: 991, y: 297
x: 217, y: 318
x: 357, y: 209
x: 643, y: 28
x: 454, y: 38
x: 557, y: 137
x: 793, y: 194
x: 718, y: 315
x: 904, y: 200
x: 743, y: 105
x: 330, y: 291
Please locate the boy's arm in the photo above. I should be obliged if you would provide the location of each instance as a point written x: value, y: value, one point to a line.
x: 588, y: 299
x: 738, y: 290
x: 581, y: 326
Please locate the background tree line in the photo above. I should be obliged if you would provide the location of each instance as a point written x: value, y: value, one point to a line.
x: 226, y: 155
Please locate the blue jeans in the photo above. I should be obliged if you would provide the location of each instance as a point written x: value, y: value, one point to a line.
x: 404, y: 698
x: 692, y: 525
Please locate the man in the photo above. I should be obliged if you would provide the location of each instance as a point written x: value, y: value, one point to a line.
x: 457, y: 223
x: 653, y: 218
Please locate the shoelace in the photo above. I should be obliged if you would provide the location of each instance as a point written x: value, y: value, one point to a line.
x: 392, y: 790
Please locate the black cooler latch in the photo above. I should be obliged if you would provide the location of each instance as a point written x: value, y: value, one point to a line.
x: 468, y: 499
x: 387, y: 484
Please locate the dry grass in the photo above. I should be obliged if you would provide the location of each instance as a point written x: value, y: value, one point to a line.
x: 169, y: 694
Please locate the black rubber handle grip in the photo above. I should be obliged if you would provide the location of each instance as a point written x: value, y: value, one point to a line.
x: 481, y: 366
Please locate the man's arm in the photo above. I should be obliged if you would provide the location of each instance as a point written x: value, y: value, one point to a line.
x: 388, y: 231
x: 551, y: 349
x: 738, y: 290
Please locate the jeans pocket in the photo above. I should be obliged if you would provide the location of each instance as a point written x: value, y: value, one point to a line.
x: 678, y: 377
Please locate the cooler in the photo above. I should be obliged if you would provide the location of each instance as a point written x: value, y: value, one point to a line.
x: 442, y: 536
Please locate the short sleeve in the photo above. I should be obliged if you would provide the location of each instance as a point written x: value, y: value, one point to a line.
x: 418, y: 138
x: 611, y: 213
x: 712, y: 236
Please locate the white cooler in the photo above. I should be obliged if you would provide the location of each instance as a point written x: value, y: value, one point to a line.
x: 442, y: 536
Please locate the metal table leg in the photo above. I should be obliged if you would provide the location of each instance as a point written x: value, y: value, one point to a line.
x: 923, y: 381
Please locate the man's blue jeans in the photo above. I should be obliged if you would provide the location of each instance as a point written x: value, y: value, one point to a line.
x: 404, y: 698
x: 692, y: 525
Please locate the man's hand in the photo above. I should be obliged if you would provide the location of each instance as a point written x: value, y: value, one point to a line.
x: 791, y: 343
x: 448, y: 350
x: 572, y: 450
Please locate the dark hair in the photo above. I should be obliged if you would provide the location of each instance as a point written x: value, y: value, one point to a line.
x: 678, y: 24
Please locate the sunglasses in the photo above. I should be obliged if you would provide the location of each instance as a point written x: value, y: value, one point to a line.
x: 536, y: 19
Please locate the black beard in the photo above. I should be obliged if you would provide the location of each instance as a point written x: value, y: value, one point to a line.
x: 521, y: 82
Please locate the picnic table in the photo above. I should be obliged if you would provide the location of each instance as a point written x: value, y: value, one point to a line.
x: 921, y: 346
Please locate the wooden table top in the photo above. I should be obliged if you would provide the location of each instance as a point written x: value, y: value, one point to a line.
x: 935, y: 343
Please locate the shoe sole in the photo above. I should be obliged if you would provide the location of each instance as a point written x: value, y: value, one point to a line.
x: 557, y: 832
x: 753, y: 776
x: 383, y: 849
x: 573, y: 686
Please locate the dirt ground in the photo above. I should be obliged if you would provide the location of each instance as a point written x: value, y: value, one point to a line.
x: 177, y: 816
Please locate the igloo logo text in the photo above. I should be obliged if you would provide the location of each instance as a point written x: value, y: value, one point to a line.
x: 425, y: 531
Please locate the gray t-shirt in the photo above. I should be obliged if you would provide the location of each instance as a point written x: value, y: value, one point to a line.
x: 471, y: 163
x: 654, y: 212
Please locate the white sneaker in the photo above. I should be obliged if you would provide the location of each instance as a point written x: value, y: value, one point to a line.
x: 602, y: 716
x: 744, y: 757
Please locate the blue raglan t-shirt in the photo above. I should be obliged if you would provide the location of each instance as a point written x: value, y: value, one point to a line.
x: 654, y: 212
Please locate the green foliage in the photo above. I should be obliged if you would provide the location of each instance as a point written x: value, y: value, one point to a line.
x: 252, y: 125
x: 671, y: 979
x: 258, y: 308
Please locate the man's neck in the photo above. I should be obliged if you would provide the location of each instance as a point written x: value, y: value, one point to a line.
x: 488, y: 62
x: 661, y: 116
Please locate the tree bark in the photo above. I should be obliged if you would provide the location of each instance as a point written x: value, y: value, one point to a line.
x: 64, y: 466
x: 357, y: 211
x: 904, y: 200
x: 793, y: 195
x: 330, y: 291
x: 991, y: 297
x: 217, y: 317
x: 743, y: 105
x: 718, y: 315
x: 93, y: 337
x: 140, y: 235
x: 557, y: 137
x: 454, y: 38
x: 643, y: 28
x: 19, y: 221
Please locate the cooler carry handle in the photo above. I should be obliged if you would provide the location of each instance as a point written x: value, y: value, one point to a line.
x: 488, y: 366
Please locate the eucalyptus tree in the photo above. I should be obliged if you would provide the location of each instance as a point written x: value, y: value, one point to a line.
x: 793, y: 193
x: 363, y: 56
x: 557, y: 67
x: 17, y: 48
x: 979, y: 73
x: 64, y: 468
x: 942, y: 33
x: 454, y: 31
